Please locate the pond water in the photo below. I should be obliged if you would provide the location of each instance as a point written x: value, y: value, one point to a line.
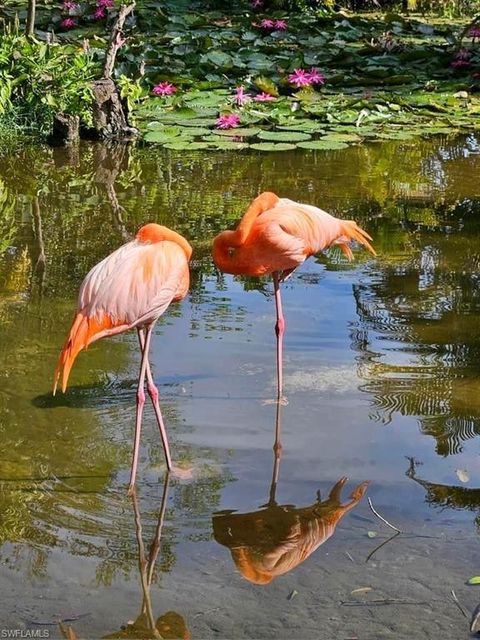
x: 382, y: 377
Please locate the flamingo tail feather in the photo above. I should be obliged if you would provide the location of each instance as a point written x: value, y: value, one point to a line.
x: 84, y: 331
x: 351, y: 231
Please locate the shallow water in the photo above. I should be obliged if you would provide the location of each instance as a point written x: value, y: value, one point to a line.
x: 382, y: 376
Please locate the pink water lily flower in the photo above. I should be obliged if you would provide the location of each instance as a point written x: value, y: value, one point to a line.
x: 264, y: 97
x: 106, y: 4
x: 280, y: 25
x: 256, y: 4
x: 241, y: 97
x: 99, y: 13
x: 228, y: 121
x: 316, y: 77
x: 300, y: 78
x: 266, y: 23
x: 68, y: 5
x: 164, y: 89
x: 67, y: 23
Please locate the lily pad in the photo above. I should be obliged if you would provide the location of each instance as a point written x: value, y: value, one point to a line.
x: 271, y: 146
x: 198, y: 122
x: 474, y: 580
x: 228, y: 145
x: 284, y: 136
x: 244, y: 132
x: 306, y: 126
x: 341, y: 137
x: 324, y: 145
x: 195, y: 131
x: 181, y: 145
x: 159, y: 137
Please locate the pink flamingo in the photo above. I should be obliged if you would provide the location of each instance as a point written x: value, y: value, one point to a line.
x: 277, y: 235
x: 131, y: 288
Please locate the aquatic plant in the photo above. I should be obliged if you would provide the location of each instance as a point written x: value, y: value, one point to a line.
x: 228, y: 121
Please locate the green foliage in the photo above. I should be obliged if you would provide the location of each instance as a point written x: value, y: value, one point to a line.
x: 42, y: 79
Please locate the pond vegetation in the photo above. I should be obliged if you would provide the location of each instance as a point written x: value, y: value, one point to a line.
x: 244, y: 76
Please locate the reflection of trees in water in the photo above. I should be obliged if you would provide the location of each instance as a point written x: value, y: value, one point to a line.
x: 447, y: 496
x: 418, y: 336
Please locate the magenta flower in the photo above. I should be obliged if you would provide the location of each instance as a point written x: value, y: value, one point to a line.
x: 105, y: 4
x: 256, y: 4
x: 458, y: 64
x: 164, y: 89
x: 316, y: 77
x: 228, y: 121
x: 266, y: 23
x: 99, y: 13
x: 474, y: 32
x: 241, y: 97
x: 69, y: 5
x: 280, y: 25
x: 67, y: 23
x: 264, y: 97
x: 300, y: 78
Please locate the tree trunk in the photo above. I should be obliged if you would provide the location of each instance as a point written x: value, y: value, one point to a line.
x: 30, y: 27
x: 65, y: 130
x: 110, y: 113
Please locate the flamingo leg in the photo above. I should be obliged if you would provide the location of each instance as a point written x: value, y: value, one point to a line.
x: 153, y: 393
x: 140, y: 405
x: 277, y: 452
x: 279, y: 331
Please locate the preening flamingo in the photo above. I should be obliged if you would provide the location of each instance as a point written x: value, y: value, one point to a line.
x: 275, y: 236
x: 131, y: 288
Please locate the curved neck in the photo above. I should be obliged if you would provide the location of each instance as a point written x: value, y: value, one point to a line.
x: 233, y: 239
x: 266, y: 200
x: 151, y: 233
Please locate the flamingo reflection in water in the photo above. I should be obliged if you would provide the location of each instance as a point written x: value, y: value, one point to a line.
x: 170, y: 625
x: 277, y: 538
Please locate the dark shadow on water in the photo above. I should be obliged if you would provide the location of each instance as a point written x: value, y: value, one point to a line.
x: 275, y: 539
x: 93, y: 396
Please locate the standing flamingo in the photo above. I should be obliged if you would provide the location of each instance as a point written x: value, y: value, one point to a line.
x: 131, y: 288
x: 276, y: 235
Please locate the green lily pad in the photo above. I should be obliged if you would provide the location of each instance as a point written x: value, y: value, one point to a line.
x: 244, y: 132
x: 306, y: 126
x: 186, y: 144
x: 271, y: 146
x: 194, y: 131
x: 159, y: 137
x: 322, y: 144
x: 229, y: 145
x: 474, y: 580
x: 284, y: 136
x: 198, y: 122
x: 160, y: 126
x: 266, y: 84
x: 341, y: 137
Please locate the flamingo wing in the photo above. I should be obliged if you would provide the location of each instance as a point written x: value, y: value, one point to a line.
x: 132, y: 286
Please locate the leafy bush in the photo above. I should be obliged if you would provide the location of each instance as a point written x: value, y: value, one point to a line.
x: 38, y: 80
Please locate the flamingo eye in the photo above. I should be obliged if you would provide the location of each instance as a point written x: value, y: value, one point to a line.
x: 231, y: 252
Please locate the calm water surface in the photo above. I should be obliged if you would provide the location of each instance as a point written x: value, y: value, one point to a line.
x: 382, y: 376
